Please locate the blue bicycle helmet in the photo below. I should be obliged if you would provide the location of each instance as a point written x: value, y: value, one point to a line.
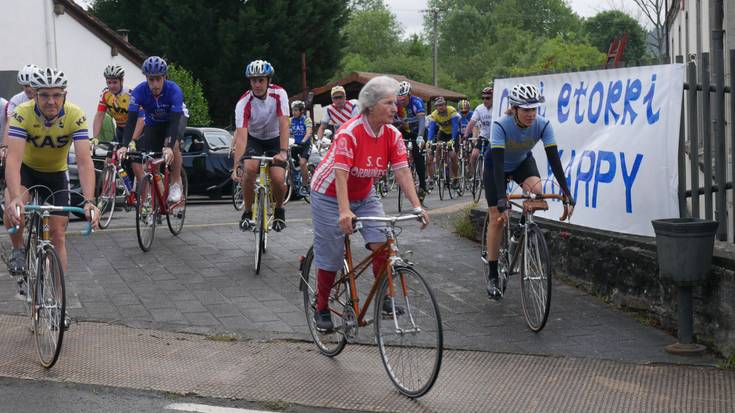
x: 258, y: 68
x: 154, y: 66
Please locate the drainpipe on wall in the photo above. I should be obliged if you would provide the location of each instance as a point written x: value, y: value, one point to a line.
x: 50, y: 25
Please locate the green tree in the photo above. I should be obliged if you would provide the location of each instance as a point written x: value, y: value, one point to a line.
x: 603, y: 27
x: 372, y: 33
x: 216, y: 40
x: 193, y: 95
x: 557, y: 55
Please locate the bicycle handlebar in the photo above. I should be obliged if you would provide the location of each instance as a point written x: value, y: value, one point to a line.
x: 258, y: 158
x: 51, y: 208
x: 356, y: 222
x: 565, y: 203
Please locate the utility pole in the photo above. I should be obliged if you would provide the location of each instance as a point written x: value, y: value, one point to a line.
x: 435, y: 41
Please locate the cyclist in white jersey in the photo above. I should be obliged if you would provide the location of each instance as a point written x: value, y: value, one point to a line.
x: 483, y: 115
x: 263, y: 128
x: 24, y: 80
x: 340, y: 111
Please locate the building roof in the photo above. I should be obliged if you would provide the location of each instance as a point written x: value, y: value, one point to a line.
x: 101, y: 30
x: 355, y: 80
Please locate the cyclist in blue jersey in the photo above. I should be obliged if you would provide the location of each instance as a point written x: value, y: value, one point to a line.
x: 412, y: 116
x: 165, y: 120
x: 465, y: 115
x: 301, y: 130
x: 513, y: 137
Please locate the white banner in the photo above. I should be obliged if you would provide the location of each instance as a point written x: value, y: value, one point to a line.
x: 617, y: 131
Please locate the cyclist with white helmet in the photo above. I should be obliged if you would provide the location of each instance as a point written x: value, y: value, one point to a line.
x: 340, y: 111
x: 262, y: 128
x: 513, y: 137
x: 24, y: 80
x: 412, y: 116
x: 483, y: 114
x: 40, y: 133
x: 114, y: 100
x: 301, y: 130
x: 162, y: 100
x: 444, y: 126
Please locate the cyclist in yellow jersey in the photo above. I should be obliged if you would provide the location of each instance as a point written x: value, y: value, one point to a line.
x: 444, y: 126
x: 40, y: 133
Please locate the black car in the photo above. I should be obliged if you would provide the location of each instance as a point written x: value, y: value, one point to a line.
x: 206, y: 159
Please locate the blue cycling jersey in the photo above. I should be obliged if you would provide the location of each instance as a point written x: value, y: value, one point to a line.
x: 298, y: 128
x: 411, y: 112
x: 518, y: 141
x: 464, y: 121
x: 157, y: 108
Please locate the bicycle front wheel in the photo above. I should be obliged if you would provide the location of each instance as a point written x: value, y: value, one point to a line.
x: 441, y: 181
x: 177, y: 210
x: 409, y: 336
x: 260, y: 228
x: 49, y: 302
x: 477, y: 179
x: 28, y: 278
x: 460, y: 177
x: 106, y: 196
x: 145, y: 214
x: 333, y: 342
x: 536, y: 280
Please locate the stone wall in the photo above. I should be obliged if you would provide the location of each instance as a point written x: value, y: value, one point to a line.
x: 623, y: 270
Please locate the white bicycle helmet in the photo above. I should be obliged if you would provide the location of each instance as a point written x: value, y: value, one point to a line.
x: 404, y: 88
x: 525, y: 96
x: 24, y: 74
x: 258, y: 68
x: 48, y: 78
x: 298, y: 104
x: 114, y: 72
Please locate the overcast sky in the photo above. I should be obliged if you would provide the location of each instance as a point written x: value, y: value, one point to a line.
x: 410, y: 16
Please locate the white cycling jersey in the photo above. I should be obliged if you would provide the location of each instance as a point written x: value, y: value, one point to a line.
x: 261, y: 116
x: 14, y: 102
x: 339, y: 116
x: 483, y: 117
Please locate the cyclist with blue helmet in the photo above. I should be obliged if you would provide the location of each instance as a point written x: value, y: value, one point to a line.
x: 513, y: 137
x: 412, y: 116
x: 162, y: 100
x: 262, y: 128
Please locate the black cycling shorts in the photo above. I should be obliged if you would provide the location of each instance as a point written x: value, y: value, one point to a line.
x: 269, y: 147
x: 57, y: 183
x: 154, y: 136
x: 300, y: 152
x: 526, y: 169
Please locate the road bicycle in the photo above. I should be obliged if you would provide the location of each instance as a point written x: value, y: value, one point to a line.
x: 442, y: 170
x: 113, y: 185
x: 478, y: 170
x: 294, y: 181
x: 262, y: 208
x: 42, y: 283
x: 523, y: 251
x: 408, y: 333
x: 152, y: 201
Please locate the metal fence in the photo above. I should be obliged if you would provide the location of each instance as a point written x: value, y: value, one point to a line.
x: 705, y: 153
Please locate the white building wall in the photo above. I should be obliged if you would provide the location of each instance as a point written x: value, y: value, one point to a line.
x: 76, y: 50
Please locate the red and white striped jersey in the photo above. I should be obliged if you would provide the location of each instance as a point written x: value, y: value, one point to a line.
x: 337, y: 116
x: 260, y: 116
x: 364, y: 155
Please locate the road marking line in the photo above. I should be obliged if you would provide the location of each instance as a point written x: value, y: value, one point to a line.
x: 205, y: 408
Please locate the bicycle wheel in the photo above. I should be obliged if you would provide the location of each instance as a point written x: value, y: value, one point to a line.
x: 441, y: 179
x: 30, y: 241
x: 106, y: 194
x: 260, y: 223
x: 288, y: 179
x: 145, y: 214
x: 410, y: 339
x: 49, y: 302
x: 477, y: 179
x: 536, y: 280
x: 449, y: 181
x: 177, y: 211
x: 460, y: 177
x: 332, y: 343
x: 237, y: 199
x: 400, y: 199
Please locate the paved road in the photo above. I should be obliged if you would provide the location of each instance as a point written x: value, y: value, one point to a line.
x: 202, y: 281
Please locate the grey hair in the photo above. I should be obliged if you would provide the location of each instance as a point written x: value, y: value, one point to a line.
x: 375, y: 89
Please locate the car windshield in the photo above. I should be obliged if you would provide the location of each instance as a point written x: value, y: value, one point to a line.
x: 218, y: 140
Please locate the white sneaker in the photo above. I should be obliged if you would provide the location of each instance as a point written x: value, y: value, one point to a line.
x: 174, y: 193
